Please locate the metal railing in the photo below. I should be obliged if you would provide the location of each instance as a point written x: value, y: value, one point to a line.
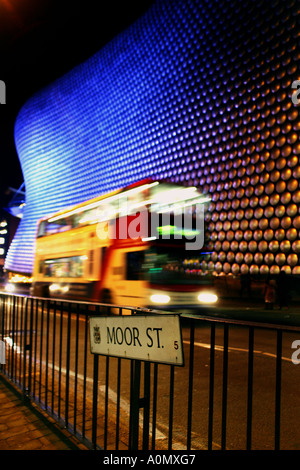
x: 238, y: 388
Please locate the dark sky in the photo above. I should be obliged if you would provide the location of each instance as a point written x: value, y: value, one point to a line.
x: 40, y: 40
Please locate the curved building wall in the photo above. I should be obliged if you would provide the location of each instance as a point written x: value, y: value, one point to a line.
x: 198, y: 92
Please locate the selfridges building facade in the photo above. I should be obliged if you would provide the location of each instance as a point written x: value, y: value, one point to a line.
x: 195, y: 92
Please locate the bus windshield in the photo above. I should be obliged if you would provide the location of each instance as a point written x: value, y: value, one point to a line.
x: 173, y: 265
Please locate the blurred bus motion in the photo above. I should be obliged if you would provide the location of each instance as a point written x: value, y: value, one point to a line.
x: 130, y: 247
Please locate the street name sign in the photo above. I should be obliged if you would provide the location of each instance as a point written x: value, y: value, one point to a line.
x: 154, y: 338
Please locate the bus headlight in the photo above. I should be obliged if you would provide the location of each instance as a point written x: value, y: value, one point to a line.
x: 9, y: 287
x: 207, y: 298
x: 53, y: 287
x: 160, y: 298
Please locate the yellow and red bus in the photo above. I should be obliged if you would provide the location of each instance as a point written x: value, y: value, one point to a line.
x: 140, y: 246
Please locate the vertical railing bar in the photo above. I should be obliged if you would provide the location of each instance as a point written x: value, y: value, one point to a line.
x: 68, y: 367
x: 7, y: 330
x: 171, y: 404
x: 21, y: 340
x: 95, y: 401
x: 106, y: 402
x: 118, y: 397
x: 47, y: 353
x: 76, y: 368
x: 9, y: 334
x: 4, y: 309
x: 84, y: 372
x: 190, y: 390
x: 36, y: 303
x: 278, y: 389
x: 4, y: 315
x: 155, y: 378
x: 16, y: 338
x: 60, y: 356
x: 2, y: 319
x: 146, y: 402
x: 224, y: 395
x: 3, y: 330
x: 19, y: 332
x: 250, y: 387
x: 41, y: 348
x: 131, y: 399
x: 118, y: 404
x: 30, y: 347
x: 135, y: 405
x: 1, y: 316
x: 211, y: 385
x: 8, y: 316
x: 12, y: 334
x: 53, y: 355
x: 25, y: 345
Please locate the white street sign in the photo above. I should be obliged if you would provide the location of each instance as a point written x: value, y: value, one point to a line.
x: 154, y: 338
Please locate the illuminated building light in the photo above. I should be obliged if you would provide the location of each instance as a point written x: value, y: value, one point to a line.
x: 9, y: 287
x: 54, y: 287
x: 19, y: 278
x: 184, y: 94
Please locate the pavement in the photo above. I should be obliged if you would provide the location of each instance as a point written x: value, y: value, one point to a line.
x: 24, y: 427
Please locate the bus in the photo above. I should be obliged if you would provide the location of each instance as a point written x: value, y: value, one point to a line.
x: 139, y: 246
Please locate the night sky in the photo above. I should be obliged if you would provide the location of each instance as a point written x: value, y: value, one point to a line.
x: 40, y: 40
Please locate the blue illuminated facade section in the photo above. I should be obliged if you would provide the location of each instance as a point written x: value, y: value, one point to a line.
x: 197, y: 92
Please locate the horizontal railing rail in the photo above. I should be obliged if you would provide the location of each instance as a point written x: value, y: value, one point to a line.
x: 237, y: 389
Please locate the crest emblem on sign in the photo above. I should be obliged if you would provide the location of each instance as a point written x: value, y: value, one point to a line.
x: 97, y: 336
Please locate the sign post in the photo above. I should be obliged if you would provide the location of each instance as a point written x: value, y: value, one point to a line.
x: 148, y: 338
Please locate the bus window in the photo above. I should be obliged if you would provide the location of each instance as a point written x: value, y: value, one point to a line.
x: 64, y: 267
x: 171, y: 265
x: 42, y: 229
x: 134, y: 265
